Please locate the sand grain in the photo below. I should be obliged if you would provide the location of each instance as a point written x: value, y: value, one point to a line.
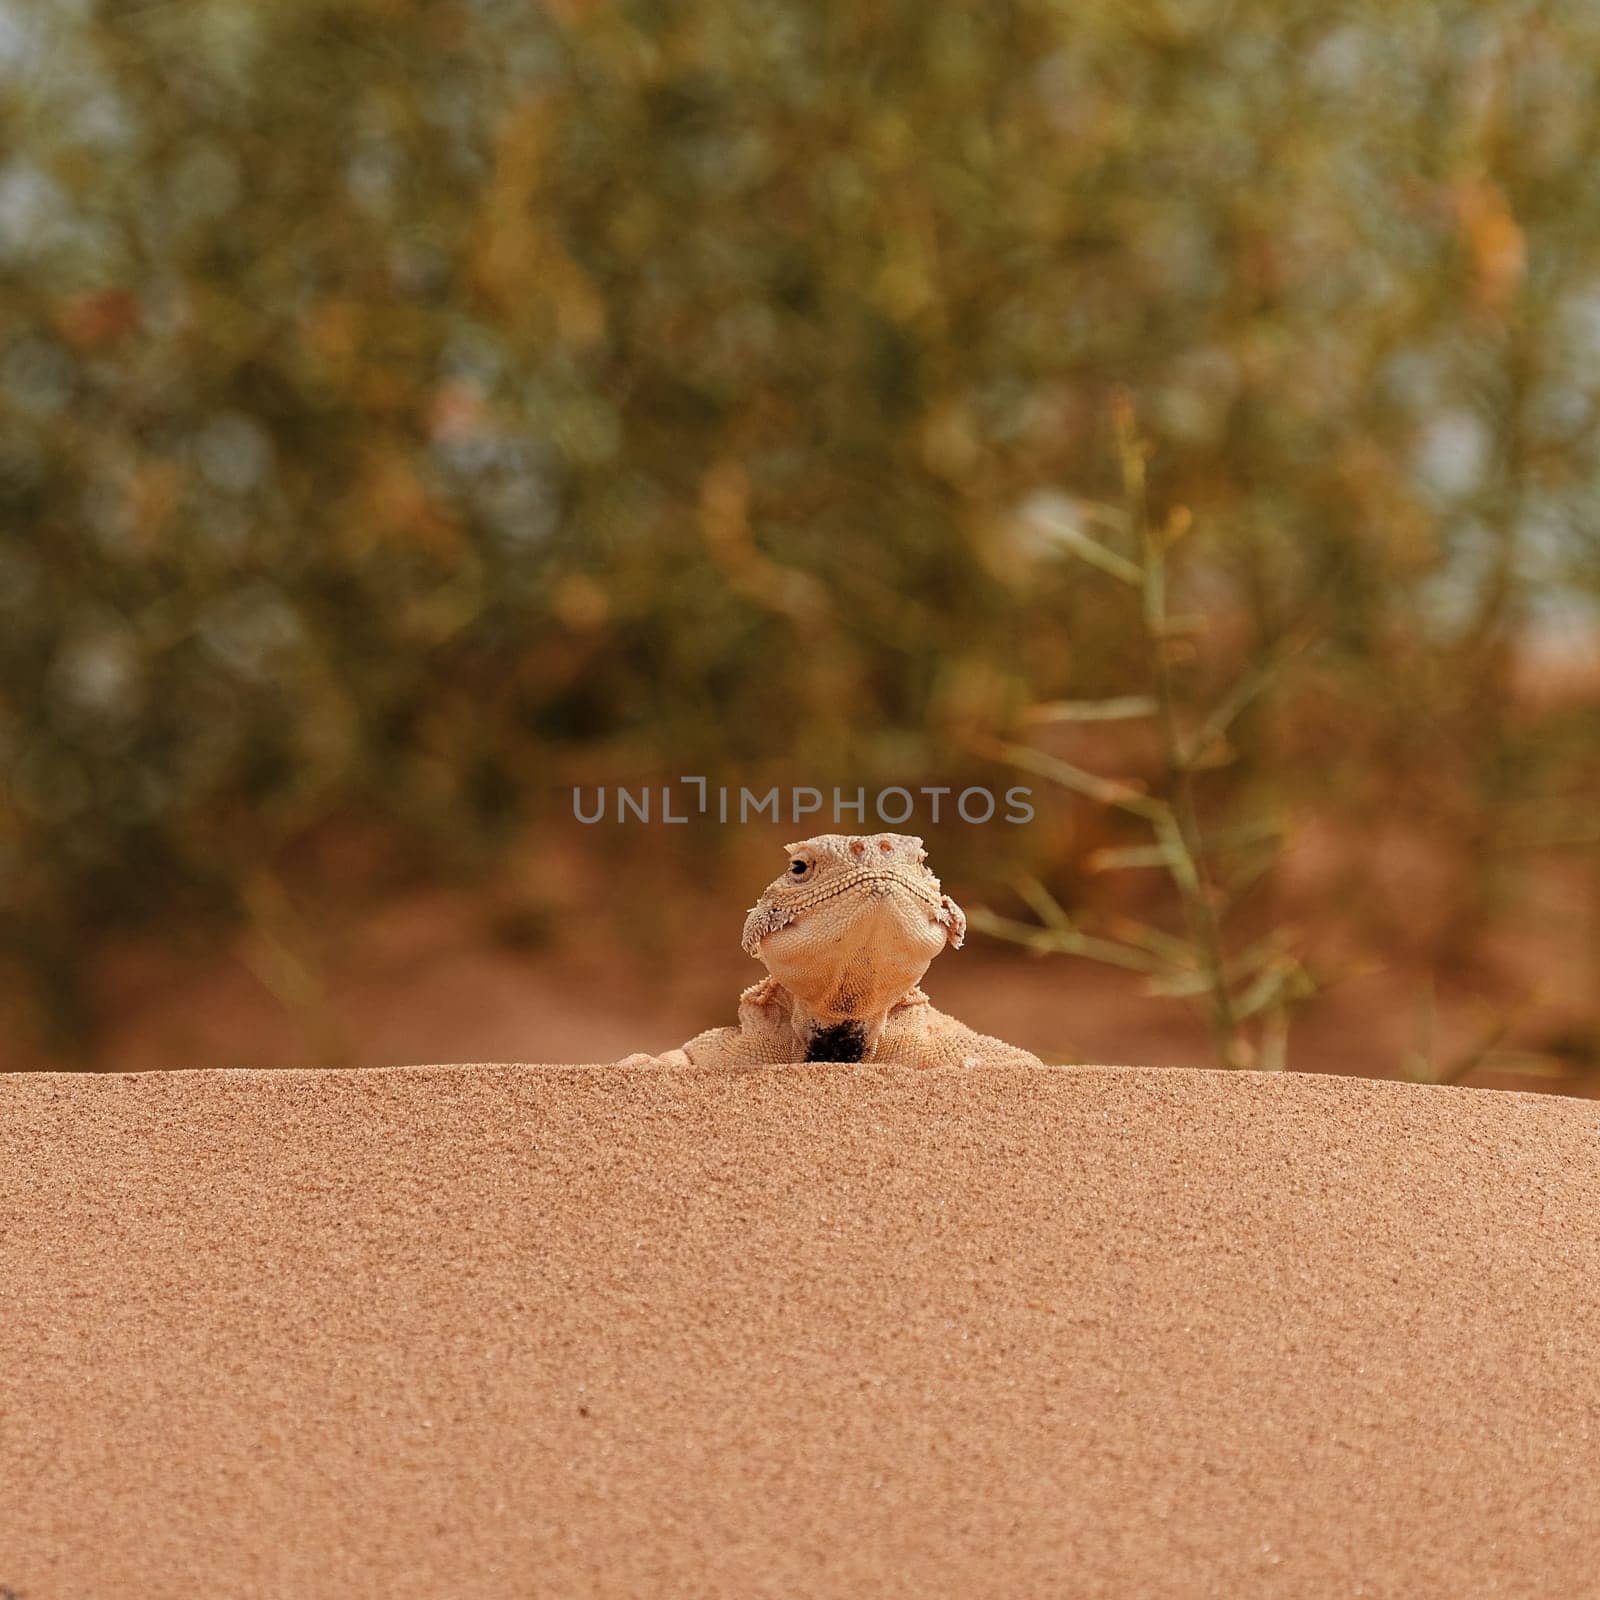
x: 502, y: 1331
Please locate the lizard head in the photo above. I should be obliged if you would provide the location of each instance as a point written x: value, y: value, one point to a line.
x: 852, y: 923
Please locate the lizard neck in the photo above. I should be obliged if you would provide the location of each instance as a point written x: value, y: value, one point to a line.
x: 831, y: 1038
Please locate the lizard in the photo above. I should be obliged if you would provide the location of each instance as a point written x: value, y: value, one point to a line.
x: 846, y: 933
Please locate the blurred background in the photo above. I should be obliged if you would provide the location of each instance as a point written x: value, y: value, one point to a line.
x: 411, y: 411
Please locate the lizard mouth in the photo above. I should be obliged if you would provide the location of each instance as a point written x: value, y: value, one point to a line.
x: 878, y: 883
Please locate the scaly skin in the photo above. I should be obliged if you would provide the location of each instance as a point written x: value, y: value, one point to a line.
x: 846, y: 934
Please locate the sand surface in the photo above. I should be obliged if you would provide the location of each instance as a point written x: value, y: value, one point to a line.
x: 464, y: 1332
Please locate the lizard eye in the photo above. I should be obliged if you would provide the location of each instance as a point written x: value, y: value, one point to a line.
x: 799, y: 867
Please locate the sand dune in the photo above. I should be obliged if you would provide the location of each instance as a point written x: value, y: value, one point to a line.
x: 511, y: 1331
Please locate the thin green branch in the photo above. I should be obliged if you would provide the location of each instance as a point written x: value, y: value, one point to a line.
x: 1179, y: 828
x: 1063, y: 941
x: 1117, y: 709
x: 1107, y: 791
x: 1097, y: 554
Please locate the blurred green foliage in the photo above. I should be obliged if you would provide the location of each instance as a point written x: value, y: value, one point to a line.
x: 408, y: 408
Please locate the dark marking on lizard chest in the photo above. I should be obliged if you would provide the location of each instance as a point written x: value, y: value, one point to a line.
x: 843, y: 1041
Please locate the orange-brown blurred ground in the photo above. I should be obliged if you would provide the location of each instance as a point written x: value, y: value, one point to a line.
x: 565, y: 958
x: 491, y: 1332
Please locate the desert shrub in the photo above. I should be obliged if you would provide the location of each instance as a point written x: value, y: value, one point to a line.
x: 409, y: 407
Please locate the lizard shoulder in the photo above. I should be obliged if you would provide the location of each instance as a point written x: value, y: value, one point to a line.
x: 920, y: 1035
x: 764, y: 1003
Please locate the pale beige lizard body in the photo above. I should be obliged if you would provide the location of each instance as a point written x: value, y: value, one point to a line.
x: 846, y: 934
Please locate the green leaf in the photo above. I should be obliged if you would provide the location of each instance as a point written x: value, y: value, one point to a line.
x: 1044, y: 905
x: 1178, y: 985
x: 1062, y: 941
x: 1118, y: 709
x: 1097, y: 555
x: 1106, y: 791
x: 1248, y: 689
x: 1177, y: 953
x: 1139, y: 855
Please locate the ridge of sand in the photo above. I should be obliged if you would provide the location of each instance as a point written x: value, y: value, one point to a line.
x: 814, y: 1331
